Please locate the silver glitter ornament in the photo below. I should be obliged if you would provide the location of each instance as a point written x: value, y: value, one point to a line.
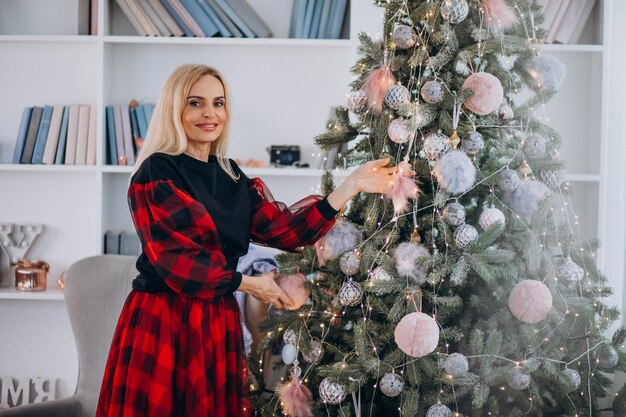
x: 454, y: 11
x: 473, y: 143
x: 397, y: 95
x: 464, y: 235
x: 606, y: 357
x: 350, y: 293
x: 570, y: 271
x: 436, y: 145
x: 357, y: 101
x: 439, y: 410
x: 553, y: 178
x: 290, y: 337
x: 432, y: 92
x: 349, y: 263
x: 535, y: 146
x: 403, y: 36
x: 379, y: 274
x: 573, y: 379
x: 400, y: 130
x: 491, y: 216
x: 332, y: 392
x: 518, y: 378
x: 391, y: 384
x: 456, y: 365
x: 316, y: 352
x: 509, y: 180
x: 454, y: 214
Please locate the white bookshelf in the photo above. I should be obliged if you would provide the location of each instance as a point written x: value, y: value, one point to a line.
x: 282, y: 89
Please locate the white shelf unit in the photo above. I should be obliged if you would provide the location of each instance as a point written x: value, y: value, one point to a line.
x: 282, y: 90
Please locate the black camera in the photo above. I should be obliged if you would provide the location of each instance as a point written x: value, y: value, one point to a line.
x: 286, y: 155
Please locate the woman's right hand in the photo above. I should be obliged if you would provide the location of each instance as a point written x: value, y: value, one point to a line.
x: 264, y: 288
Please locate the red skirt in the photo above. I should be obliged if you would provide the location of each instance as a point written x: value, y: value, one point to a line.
x: 174, y: 355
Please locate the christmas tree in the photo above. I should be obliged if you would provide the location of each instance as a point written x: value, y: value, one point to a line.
x: 468, y: 293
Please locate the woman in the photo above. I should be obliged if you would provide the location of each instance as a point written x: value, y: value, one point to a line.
x: 178, y: 349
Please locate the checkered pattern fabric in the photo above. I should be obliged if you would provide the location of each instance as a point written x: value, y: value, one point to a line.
x: 181, y: 353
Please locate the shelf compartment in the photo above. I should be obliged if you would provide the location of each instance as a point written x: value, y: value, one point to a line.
x: 50, y: 294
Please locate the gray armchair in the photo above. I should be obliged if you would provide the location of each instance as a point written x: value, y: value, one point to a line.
x: 95, y: 290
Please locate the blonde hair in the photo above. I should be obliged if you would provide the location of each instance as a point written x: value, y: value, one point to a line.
x: 166, y: 133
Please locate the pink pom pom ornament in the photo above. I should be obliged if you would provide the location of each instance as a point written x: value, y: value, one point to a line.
x: 530, y: 301
x: 293, y: 285
x: 417, y: 334
x: 488, y: 93
x: 376, y: 85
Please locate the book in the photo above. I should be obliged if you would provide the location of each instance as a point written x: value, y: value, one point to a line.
x: 206, y: 24
x: 235, y: 18
x: 574, y: 21
x: 83, y: 17
x: 337, y: 15
x: 91, y: 137
x: 119, y: 136
x: 297, y: 15
x: 53, y: 135
x: 154, y: 18
x: 557, y: 20
x: 166, y: 18
x: 308, y: 19
x: 110, y: 129
x: 148, y: 109
x: 129, y: 149
x: 322, y: 33
x: 134, y: 125
x: 131, y: 18
x: 179, y: 21
x: 82, y: 135
x: 72, y: 135
x: 93, y: 17
x: 315, y: 19
x: 42, y: 135
x: 190, y: 22
x: 142, y: 18
x: 129, y: 243
x: 60, y: 153
x: 111, y: 243
x: 142, y: 121
x: 221, y: 28
x: 251, y: 17
x: 21, y: 135
x: 31, y: 135
x: 234, y: 31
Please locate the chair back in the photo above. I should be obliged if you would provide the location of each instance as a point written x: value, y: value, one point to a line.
x: 95, y: 291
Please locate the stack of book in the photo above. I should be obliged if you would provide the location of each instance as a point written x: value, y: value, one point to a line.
x: 320, y: 19
x: 564, y: 20
x: 126, y: 127
x: 57, y: 135
x: 200, y: 18
x: 122, y: 243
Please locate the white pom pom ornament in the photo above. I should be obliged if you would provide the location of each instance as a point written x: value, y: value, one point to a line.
x: 343, y: 236
x: 406, y: 255
x: 455, y: 172
x: 547, y: 72
x: 530, y: 301
x: 525, y: 199
x: 488, y: 93
x: 417, y: 334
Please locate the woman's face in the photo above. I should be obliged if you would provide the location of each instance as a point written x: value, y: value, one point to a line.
x: 204, y: 114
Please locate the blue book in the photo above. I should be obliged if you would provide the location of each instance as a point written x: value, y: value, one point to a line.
x: 21, y: 135
x: 134, y: 126
x: 148, y: 109
x: 223, y: 30
x: 322, y: 33
x: 177, y: 18
x: 60, y: 156
x: 308, y: 18
x: 236, y: 33
x: 42, y: 135
x: 235, y: 18
x: 315, y: 20
x: 111, y: 135
x: 206, y: 24
x: 296, y: 12
x: 338, y: 13
x: 142, y: 124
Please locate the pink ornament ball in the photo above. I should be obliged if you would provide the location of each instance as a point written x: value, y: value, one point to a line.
x: 293, y: 285
x: 530, y: 301
x: 488, y: 93
x: 417, y: 334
